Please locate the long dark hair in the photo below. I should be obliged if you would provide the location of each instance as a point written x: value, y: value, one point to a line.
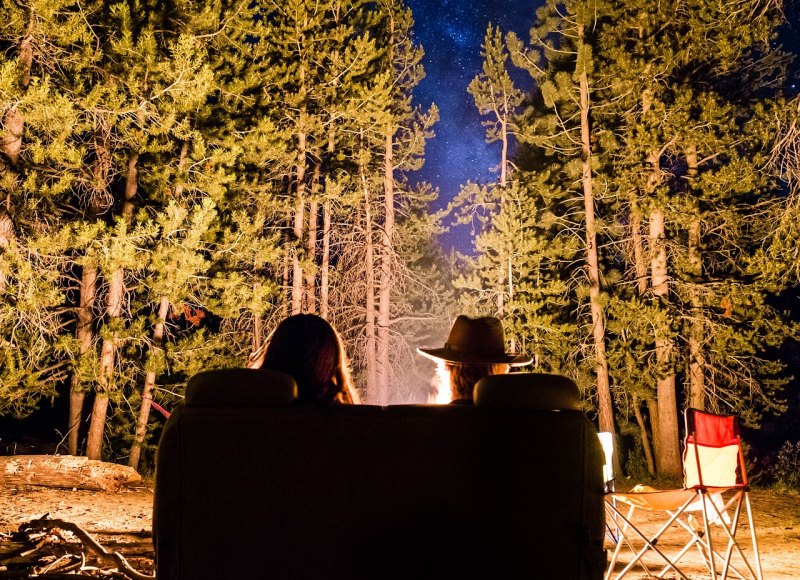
x: 306, y: 347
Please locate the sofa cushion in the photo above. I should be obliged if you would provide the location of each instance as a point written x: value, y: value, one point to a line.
x: 528, y: 391
x: 240, y: 388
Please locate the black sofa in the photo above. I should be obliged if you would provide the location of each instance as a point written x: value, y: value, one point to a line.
x: 251, y: 485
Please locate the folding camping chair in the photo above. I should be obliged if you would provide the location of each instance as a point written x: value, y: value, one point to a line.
x: 715, y: 481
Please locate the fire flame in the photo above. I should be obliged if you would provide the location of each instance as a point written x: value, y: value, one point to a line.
x: 441, y: 384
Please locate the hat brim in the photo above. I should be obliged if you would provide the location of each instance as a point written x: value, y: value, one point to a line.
x: 455, y: 356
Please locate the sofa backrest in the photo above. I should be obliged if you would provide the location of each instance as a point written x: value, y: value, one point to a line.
x: 282, y: 490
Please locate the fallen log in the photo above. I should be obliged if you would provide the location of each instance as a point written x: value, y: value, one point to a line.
x: 67, y: 471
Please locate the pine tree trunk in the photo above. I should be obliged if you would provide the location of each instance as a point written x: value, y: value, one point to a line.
x: 297, y: 230
x: 504, y: 152
x: 501, y: 275
x: 149, y: 386
x: 258, y: 325
x: 85, y: 336
x: 299, y: 209
x: 324, y: 270
x: 386, y: 281
x: 311, y: 245
x: 639, y: 262
x: 116, y: 294
x: 648, y: 454
x: 697, y: 387
x: 11, y: 137
x: 605, y: 405
x: 287, y: 253
x: 324, y: 274
x: 668, y: 461
x: 102, y: 169
x: 640, y: 269
x: 370, y: 358
x: 14, y: 120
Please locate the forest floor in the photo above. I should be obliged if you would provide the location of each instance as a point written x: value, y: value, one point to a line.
x: 122, y: 521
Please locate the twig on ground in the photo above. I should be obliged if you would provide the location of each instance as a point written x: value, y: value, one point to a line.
x: 91, y: 543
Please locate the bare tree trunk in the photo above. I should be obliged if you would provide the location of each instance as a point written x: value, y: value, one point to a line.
x: 369, y: 290
x: 640, y: 269
x: 149, y: 386
x: 665, y: 422
x: 605, y: 405
x: 287, y: 252
x: 311, y: 245
x: 697, y: 386
x: 299, y: 209
x: 116, y: 294
x: 639, y: 263
x: 648, y: 454
x: 85, y: 336
x: 324, y: 274
x: 668, y: 461
x: 11, y: 138
x: 258, y: 324
x: 386, y: 280
x: 504, y: 152
x: 103, y: 166
x: 14, y: 121
x: 158, y: 337
x: 297, y: 268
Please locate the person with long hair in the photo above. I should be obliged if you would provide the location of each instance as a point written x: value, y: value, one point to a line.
x: 308, y: 348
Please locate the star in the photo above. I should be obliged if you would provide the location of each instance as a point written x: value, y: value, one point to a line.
x: 452, y: 34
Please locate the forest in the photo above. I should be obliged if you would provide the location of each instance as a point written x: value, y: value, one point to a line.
x: 178, y: 176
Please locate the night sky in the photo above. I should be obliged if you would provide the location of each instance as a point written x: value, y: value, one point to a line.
x: 452, y: 32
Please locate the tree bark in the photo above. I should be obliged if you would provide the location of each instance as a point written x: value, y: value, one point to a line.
x: 640, y: 269
x: 605, y: 405
x: 116, y: 294
x: 324, y: 273
x: 668, y: 457
x: 648, y: 454
x: 386, y: 279
x: 11, y: 137
x: 64, y: 471
x: 370, y: 358
x: 297, y: 230
x: 85, y: 336
x: 639, y: 262
x: 149, y: 386
x: 311, y: 244
x: 697, y: 387
x: 287, y: 253
x: 299, y: 209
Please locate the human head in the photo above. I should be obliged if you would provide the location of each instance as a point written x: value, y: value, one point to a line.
x: 463, y: 377
x: 474, y: 349
x: 306, y: 347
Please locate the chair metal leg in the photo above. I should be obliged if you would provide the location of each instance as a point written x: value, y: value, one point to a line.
x: 649, y: 544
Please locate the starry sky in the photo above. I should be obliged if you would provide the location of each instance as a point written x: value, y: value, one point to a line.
x: 452, y: 32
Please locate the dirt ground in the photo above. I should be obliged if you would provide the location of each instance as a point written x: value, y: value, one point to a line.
x: 125, y: 517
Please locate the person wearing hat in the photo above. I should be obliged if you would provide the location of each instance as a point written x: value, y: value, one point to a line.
x: 474, y: 349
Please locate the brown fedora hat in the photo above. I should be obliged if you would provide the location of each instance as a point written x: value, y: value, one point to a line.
x: 476, y: 341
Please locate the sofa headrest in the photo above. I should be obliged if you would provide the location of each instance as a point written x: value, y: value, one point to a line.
x: 528, y: 391
x: 240, y: 388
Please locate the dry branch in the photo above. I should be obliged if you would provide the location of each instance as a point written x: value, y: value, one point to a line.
x: 112, y: 558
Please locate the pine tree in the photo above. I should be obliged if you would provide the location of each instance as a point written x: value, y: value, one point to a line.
x: 562, y: 64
